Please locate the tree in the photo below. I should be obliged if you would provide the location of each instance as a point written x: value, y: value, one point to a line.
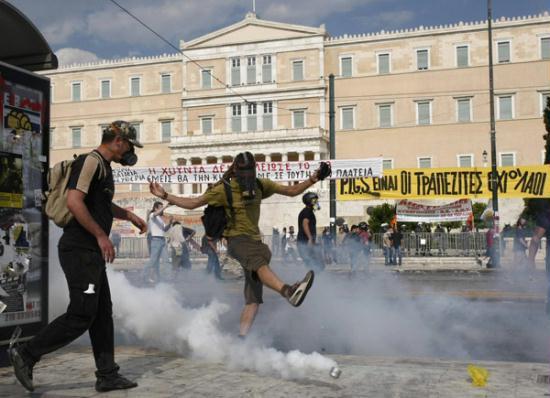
x: 478, y: 208
x: 381, y: 214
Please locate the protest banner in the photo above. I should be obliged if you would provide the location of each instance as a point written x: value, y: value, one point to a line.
x: 408, y: 211
x: 448, y: 183
x: 276, y: 171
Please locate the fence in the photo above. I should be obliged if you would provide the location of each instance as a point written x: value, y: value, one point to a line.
x: 459, y: 244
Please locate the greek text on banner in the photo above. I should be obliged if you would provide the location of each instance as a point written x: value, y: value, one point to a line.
x: 448, y: 183
x: 276, y: 171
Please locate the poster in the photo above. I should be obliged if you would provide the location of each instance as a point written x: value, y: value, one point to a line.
x: 448, y: 183
x: 276, y: 171
x: 11, y: 180
x: 408, y: 211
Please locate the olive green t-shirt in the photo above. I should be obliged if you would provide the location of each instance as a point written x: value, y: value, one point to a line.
x: 246, y: 215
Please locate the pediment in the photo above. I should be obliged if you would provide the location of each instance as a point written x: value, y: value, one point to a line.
x: 253, y: 30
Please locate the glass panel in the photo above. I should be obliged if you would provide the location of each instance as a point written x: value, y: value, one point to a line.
x: 166, y: 131
x: 266, y: 69
x: 505, y: 106
x: 504, y: 51
x: 387, y: 164
x: 76, y: 137
x: 545, y: 48
x: 298, y: 70
x: 422, y: 59
x: 385, y: 115
x: 347, y: 118
x: 135, y: 86
x: 105, y: 89
x: 251, y: 70
x: 235, y: 72
x: 423, y: 112
x: 383, y: 63
x: 346, y: 66
x: 507, y: 159
x: 268, y: 121
x: 236, y: 124
x: 206, y: 125
x: 298, y: 117
x: 465, y: 161
x: 462, y: 56
x: 76, y: 92
x: 206, y: 78
x: 425, y: 163
x: 463, y: 110
x: 166, y: 83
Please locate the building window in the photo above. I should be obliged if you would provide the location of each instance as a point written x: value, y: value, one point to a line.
x: 206, y: 78
x: 266, y: 69
x: 462, y: 58
x: 423, y: 59
x: 166, y: 130
x: 507, y: 159
x: 425, y: 163
x: 346, y: 66
x: 76, y: 94
x: 297, y: 70
x: 166, y: 83
x: 137, y: 127
x: 465, y: 161
x: 387, y: 164
x: 346, y: 117
x: 423, y: 113
x: 135, y: 86
x: 503, y: 48
x: 235, y: 71
x: 298, y: 119
x: 383, y: 62
x: 505, y: 107
x: 545, y: 47
x: 77, y: 136
x: 385, y: 115
x: 206, y: 124
x: 463, y: 110
x: 544, y: 101
x: 236, y: 118
x: 105, y: 89
x: 268, y: 116
x: 251, y: 117
x: 52, y: 130
x: 250, y: 70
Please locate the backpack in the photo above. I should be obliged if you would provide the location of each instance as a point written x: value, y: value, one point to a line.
x: 55, y: 205
x: 215, y: 219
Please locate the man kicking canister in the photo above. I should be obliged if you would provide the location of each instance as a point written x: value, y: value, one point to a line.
x: 243, y: 233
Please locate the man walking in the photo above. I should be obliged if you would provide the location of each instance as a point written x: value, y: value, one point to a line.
x: 242, y: 231
x: 84, y: 248
x: 157, y: 229
x: 307, y: 232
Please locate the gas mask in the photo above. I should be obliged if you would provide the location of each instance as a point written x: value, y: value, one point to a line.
x: 315, y: 204
x: 245, y: 173
x: 129, y: 158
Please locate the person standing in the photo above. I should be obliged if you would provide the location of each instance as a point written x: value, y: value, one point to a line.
x: 307, y: 232
x: 387, y: 245
x: 243, y: 233
x: 283, y: 243
x: 520, y: 243
x: 209, y: 247
x: 396, y: 239
x: 542, y: 229
x: 157, y: 228
x: 275, y: 241
x: 290, y: 244
x: 116, y: 239
x: 84, y: 249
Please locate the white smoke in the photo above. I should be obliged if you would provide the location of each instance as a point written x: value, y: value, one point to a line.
x: 156, y: 317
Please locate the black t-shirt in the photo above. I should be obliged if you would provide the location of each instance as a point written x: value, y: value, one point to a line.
x: 86, y: 176
x: 307, y: 213
x: 396, y: 238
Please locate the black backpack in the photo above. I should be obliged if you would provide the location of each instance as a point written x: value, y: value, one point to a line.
x: 215, y: 219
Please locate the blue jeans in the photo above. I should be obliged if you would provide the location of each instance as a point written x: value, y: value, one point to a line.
x: 396, y: 255
x: 157, y: 248
x: 213, y: 264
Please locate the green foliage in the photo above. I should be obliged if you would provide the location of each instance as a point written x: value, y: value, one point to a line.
x: 451, y: 225
x: 381, y: 214
x: 478, y: 208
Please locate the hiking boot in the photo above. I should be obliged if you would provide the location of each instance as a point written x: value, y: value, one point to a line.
x: 116, y: 382
x: 21, y: 368
x: 297, y: 292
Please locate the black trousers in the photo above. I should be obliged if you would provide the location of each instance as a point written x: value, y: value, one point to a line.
x: 90, y: 309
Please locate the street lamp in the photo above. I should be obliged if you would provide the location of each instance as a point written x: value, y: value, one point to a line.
x: 484, y: 154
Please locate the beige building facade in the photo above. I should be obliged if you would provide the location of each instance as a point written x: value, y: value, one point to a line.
x: 416, y: 98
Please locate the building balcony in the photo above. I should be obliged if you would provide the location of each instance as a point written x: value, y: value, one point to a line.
x: 250, y: 138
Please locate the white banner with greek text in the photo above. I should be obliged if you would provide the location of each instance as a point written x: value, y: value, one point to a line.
x: 408, y: 211
x: 276, y: 171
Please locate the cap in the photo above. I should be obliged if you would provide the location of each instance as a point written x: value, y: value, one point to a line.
x: 126, y: 131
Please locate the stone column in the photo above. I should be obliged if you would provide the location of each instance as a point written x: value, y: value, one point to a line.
x: 268, y: 158
x: 301, y: 156
x: 203, y: 186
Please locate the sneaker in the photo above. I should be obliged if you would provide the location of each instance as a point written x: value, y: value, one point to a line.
x: 22, y: 370
x: 116, y: 382
x: 297, y: 292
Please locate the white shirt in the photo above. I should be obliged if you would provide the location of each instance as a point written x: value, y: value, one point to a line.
x: 156, y: 226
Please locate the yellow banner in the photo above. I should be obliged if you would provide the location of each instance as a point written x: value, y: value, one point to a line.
x: 448, y: 183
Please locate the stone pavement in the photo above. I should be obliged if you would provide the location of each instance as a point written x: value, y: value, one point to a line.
x: 69, y: 373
